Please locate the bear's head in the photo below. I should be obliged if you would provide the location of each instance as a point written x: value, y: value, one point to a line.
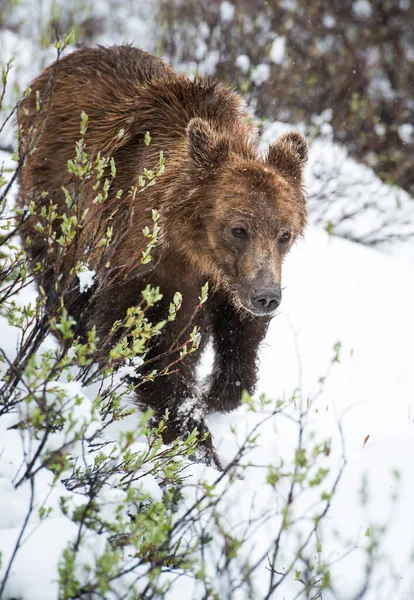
x: 246, y: 213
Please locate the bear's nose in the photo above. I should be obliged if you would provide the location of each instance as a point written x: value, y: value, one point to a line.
x: 266, y: 300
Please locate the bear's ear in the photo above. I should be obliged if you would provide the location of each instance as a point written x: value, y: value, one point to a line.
x: 206, y: 148
x: 289, y: 155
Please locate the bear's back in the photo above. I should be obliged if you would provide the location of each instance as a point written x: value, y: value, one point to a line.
x: 124, y: 92
x: 116, y: 63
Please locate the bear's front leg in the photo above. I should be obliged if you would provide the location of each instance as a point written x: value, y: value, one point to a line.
x: 237, y: 335
x: 177, y: 392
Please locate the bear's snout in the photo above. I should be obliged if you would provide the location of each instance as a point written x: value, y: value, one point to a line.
x: 266, y: 300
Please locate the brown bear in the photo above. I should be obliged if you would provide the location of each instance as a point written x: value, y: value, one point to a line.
x: 228, y: 216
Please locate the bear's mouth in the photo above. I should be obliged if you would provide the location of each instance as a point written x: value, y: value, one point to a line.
x: 260, y: 313
x: 245, y: 304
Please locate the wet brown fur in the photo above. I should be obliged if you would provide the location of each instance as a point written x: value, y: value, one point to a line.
x: 214, y: 181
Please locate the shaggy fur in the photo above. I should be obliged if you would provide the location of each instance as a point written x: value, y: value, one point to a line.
x: 228, y: 216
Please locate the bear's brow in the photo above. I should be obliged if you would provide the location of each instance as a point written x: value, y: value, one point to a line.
x: 251, y: 194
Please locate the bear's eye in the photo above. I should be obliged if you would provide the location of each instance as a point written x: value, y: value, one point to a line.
x: 285, y: 237
x: 239, y: 232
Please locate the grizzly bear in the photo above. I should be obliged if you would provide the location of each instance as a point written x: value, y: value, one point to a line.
x: 227, y: 215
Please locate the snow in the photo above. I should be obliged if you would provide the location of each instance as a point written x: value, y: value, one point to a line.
x: 362, y: 8
x: 260, y: 74
x: 227, y: 11
x: 210, y: 62
x: 329, y: 21
x: 190, y: 408
x: 38, y: 559
x: 243, y: 62
x: 379, y: 128
x: 130, y: 370
x: 405, y: 131
x: 277, y: 51
x: 86, y: 279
